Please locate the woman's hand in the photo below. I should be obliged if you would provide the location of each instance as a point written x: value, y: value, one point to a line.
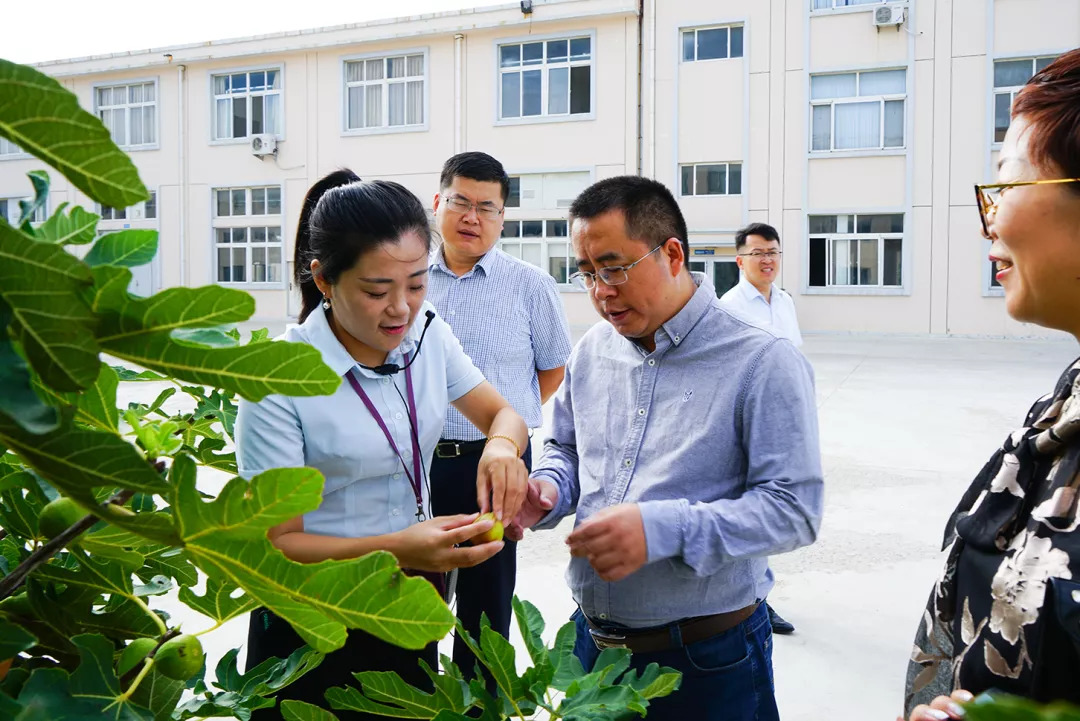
x: 431, y: 545
x: 942, y: 708
x: 501, y: 480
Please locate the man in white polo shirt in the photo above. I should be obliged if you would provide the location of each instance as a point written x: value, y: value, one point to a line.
x: 756, y: 298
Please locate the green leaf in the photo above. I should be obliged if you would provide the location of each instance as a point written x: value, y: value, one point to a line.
x: 500, y: 660
x: 386, y: 694
x: 210, y: 337
x: 138, y: 330
x: 19, y: 513
x: 993, y: 706
x: 45, y: 120
x: 42, y: 284
x: 260, y: 335
x: 300, y: 711
x: 95, y: 406
x: 227, y: 539
x: 14, y: 639
x: 160, y: 694
x: 40, y: 180
x: 600, y: 703
x: 171, y: 562
x: 19, y: 399
x: 654, y: 682
x: 157, y: 586
x: 129, y: 375
x: 531, y: 625
x: 45, y: 697
x: 76, y: 228
x: 77, y: 460
x: 95, y: 679
x: 126, y: 248
x: 568, y: 668
x: 217, y: 602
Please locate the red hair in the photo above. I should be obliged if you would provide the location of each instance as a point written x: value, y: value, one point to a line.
x: 1050, y: 102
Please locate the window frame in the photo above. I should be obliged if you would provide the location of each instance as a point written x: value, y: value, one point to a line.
x: 346, y: 131
x: 720, y: 26
x: 156, y: 145
x: 545, y: 242
x: 12, y: 202
x: 845, y: 9
x: 544, y: 117
x: 1012, y: 90
x: 853, y: 100
x: 211, y: 74
x: 247, y: 221
x: 100, y: 209
x: 838, y: 289
x: 19, y: 153
x: 727, y: 179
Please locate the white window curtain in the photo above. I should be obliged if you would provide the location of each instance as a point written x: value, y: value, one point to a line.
x: 824, y: 87
x: 822, y: 128
x: 858, y: 125
x: 883, y: 82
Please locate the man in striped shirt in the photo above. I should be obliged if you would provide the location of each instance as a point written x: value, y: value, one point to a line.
x: 508, y: 316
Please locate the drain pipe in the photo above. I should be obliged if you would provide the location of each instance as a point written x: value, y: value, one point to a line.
x: 459, y: 41
x: 182, y: 170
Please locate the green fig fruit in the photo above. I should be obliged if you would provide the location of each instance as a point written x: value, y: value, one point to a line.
x: 179, y: 658
x: 134, y: 653
x: 58, y: 516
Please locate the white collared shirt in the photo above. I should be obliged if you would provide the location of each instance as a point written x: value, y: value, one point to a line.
x: 776, y: 314
x: 367, y: 492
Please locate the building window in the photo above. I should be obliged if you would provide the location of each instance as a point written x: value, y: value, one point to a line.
x: 384, y: 92
x: 513, y: 199
x: 711, y: 179
x: 129, y: 112
x: 830, y: 4
x: 1009, y: 77
x: 858, y: 111
x: 248, y: 245
x: 548, y: 78
x: 247, y: 103
x: 712, y: 43
x: 146, y: 210
x: 863, y: 250
x: 9, y: 148
x: 11, y: 211
x: 544, y: 243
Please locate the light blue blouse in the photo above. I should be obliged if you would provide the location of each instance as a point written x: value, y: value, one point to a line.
x: 366, y: 492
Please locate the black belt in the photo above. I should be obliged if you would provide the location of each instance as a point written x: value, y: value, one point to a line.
x: 456, y: 449
x: 655, y: 640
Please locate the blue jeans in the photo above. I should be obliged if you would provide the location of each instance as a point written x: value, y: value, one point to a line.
x: 727, y: 677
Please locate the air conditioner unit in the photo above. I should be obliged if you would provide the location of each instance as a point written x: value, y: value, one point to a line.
x: 887, y: 15
x: 263, y: 144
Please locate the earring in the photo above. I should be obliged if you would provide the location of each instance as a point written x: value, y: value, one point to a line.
x: 326, y: 302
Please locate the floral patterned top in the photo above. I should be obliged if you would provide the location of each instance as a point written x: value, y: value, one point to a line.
x: 1006, y: 612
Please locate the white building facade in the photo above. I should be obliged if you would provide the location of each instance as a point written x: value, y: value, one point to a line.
x: 857, y: 129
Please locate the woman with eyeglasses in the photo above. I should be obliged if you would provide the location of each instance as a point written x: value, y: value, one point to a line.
x: 361, y: 264
x: 1005, y: 614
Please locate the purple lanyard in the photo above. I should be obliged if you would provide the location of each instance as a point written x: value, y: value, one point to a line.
x: 414, y: 477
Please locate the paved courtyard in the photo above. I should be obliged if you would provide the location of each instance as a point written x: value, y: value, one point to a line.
x: 906, y: 422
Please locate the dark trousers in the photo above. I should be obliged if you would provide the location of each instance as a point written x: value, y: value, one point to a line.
x: 269, y: 636
x: 726, y: 677
x: 489, y: 587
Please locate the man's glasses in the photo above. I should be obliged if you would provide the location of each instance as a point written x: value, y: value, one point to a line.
x: 987, y: 196
x: 611, y: 275
x: 485, y: 210
x: 759, y: 255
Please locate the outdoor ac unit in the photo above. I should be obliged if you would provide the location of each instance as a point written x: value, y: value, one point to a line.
x: 887, y: 15
x: 263, y: 144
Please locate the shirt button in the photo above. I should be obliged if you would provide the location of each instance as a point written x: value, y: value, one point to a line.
x: 677, y: 339
x: 627, y: 463
x: 397, y: 476
x: 396, y: 512
x: 385, y: 381
x: 641, y: 411
x: 652, y: 362
x: 398, y: 416
x: 453, y: 312
x: 603, y: 615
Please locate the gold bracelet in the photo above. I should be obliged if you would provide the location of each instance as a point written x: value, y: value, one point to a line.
x: 507, y: 438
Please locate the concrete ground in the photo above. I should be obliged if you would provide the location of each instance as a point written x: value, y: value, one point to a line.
x: 906, y: 422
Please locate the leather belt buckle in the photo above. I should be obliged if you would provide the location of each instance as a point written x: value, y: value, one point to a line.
x: 448, y: 449
x: 607, y: 640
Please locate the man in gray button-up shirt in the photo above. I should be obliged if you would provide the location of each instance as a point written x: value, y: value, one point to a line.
x: 686, y: 441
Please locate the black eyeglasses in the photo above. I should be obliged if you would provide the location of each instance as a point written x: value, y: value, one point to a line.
x: 987, y: 196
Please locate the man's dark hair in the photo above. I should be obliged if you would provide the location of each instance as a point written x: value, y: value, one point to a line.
x: 476, y: 166
x: 651, y: 213
x: 765, y: 230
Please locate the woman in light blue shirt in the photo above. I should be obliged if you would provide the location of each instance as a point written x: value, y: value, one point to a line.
x: 362, y: 261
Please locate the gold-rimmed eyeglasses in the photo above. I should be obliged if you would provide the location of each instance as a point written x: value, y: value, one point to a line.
x: 987, y: 196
